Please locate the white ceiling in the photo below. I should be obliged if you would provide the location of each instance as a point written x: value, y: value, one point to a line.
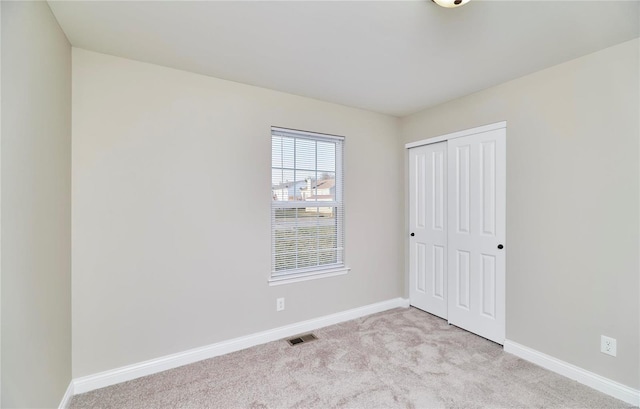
x: 394, y: 57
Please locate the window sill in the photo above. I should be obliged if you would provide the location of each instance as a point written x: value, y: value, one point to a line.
x: 312, y: 275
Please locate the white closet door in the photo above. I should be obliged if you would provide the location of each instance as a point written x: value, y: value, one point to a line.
x: 428, y: 226
x: 476, y: 233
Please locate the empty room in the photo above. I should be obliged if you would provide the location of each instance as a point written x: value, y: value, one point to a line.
x: 320, y: 204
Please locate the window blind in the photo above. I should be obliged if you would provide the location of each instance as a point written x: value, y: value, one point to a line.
x: 307, y: 211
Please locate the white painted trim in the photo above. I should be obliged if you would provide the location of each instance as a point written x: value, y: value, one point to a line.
x: 0, y: 206
x: 66, y: 399
x: 458, y: 134
x: 313, y: 275
x: 595, y: 381
x: 152, y: 366
x: 296, y: 133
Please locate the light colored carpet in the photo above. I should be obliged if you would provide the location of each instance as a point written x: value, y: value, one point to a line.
x: 403, y: 358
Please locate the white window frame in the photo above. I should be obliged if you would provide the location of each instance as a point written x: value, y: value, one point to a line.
x: 322, y: 271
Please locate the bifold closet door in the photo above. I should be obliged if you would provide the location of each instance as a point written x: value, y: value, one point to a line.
x: 476, y: 233
x: 428, y: 227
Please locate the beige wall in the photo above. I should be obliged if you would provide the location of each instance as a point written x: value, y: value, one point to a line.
x: 572, y: 204
x: 171, y: 211
x: 36, y: 207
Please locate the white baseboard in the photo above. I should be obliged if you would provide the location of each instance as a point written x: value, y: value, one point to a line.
x: 129, y: 372
x: 595, y: 381
x: 66, y: 399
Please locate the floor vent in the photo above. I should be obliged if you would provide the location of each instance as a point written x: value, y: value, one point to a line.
x: 301, y: 339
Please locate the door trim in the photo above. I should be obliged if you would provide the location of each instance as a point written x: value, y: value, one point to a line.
x: 458, y: 134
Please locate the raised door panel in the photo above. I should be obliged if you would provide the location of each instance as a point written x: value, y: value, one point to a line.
x: 438, y: 284
x: 488, y: 286
x: 462, y: 282
x: 462, y: 189
x: 421, y: 268
x: 487, y: 179
x: 438, y: 182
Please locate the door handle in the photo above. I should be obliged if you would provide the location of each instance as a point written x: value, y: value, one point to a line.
x: 413, y: 234
x: 500, y: 246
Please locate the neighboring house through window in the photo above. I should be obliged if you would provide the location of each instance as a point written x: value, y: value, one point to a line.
x: 307, y: 211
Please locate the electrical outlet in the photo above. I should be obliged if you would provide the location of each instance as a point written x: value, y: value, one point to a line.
x: 608, y: 345
x: 279, y: 304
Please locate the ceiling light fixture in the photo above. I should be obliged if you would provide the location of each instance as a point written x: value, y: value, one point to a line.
x: 450, y: 3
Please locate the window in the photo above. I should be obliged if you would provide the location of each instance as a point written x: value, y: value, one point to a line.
x: 307, y: 211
